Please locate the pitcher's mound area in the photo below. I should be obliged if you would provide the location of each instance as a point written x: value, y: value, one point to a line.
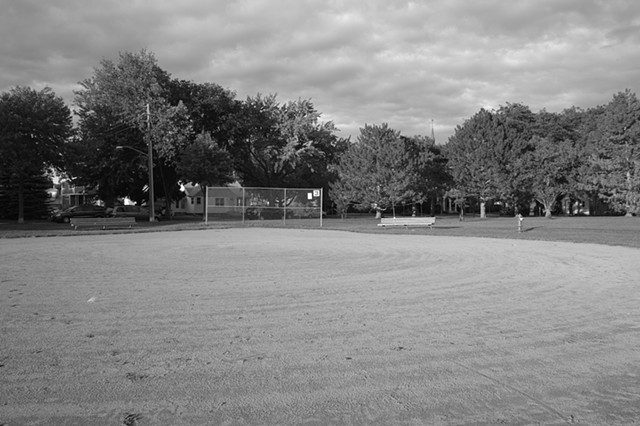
x: 274, y: 326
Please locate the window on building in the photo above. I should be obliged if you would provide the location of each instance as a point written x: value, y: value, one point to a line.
x: 198, y: 200
x: 219, y: 201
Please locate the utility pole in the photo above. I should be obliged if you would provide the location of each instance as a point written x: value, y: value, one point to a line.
x: 152, y: 210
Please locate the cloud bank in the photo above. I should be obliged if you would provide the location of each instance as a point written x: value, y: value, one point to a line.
x: 406, y: 63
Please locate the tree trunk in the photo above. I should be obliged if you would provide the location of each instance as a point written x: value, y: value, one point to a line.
x: 483, y: 210
x: 628, y: 207
x: 548, y: 207
x: 20, y: 201
x: 168, y: 194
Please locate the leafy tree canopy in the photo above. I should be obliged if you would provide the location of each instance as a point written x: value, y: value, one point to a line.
x: 472, y: 155
x: 211, y: 108
x: 615, y: 158
x: 380, y: 170
x: 550, y: 170
x: 34, y: 129
x: 281, y: 145
x: 204, y: 162
x: 127, y: 104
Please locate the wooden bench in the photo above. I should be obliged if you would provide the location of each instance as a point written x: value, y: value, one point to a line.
x: 412, y: 221
x: 102, y: 222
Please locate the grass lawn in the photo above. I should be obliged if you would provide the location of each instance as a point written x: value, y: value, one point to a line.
x: 616, y: 230
x: 599, y: 230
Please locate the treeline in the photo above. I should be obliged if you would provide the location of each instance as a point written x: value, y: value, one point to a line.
x: 511, y: 156
x: 200, y: 133
x: 514, y: 155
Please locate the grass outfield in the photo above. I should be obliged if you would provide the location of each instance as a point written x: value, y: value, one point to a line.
x: 622, y: 231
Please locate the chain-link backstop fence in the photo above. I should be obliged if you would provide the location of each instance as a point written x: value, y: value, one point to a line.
x: 245, y: 204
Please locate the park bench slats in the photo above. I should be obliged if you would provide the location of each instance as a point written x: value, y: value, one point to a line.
x: 102, y: 222
x: 412, y: 221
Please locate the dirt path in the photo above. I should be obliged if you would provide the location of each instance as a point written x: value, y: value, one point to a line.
x: 273, y: 326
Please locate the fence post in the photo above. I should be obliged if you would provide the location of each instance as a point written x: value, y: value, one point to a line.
x: 206, y: 205
x: 321, y: 193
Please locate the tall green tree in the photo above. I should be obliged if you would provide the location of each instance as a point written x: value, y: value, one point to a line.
x: 556, y: 165
x: 587, y: 181
x: 377, y: 171
x: 518, y: 123
x: 93, y: 160
x: 130, y: 97
x: 203, y: 162
x: 342, y: 195
x: 433, y: 178
x: 35, y: 197
x: 211, y: 108
x: 281, y: 145
x: 550, y: 170
x: 616, y: 157
x: 34, y: 129
x: 472, y: 155
x: 483, y: 154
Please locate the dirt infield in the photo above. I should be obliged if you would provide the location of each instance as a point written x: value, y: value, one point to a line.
x: 281, y: 326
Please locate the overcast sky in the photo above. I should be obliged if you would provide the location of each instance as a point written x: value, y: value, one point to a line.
x: 405, y: 63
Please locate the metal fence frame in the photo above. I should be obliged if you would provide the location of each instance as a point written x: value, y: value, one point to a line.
x: 241, y: 202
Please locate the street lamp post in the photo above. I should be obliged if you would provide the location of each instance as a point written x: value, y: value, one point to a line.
x: 151, y: 201
x: 149, y: 155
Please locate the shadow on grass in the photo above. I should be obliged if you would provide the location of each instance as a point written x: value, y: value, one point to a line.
x: 530, y: 228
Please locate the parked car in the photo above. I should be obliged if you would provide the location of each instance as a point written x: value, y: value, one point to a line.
x: 83, y: 210
x: 137, y: 212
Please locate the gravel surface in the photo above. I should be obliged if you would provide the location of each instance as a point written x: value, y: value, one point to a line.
x: 280, y: 326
